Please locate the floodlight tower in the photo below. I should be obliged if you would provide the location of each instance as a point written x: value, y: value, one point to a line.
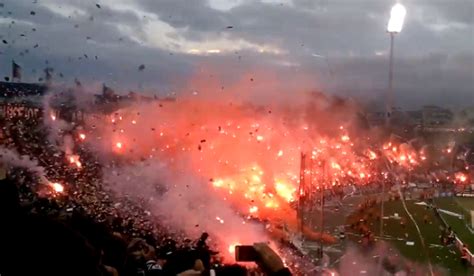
x: 395, y: 25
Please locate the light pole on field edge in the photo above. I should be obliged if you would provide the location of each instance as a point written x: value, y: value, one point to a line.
x: 395, y: 25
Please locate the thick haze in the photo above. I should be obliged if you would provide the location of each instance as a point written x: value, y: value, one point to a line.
x: 340, y: 46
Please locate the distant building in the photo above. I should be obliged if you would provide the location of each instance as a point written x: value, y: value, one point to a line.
x: 428, y: 119
x: 435, y: 116
x: 375, y: 118
x: 415, y: 117
x: 465, y: 118
x: 404, y: 119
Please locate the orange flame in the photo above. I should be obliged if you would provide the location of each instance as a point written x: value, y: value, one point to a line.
x: 57, y: 187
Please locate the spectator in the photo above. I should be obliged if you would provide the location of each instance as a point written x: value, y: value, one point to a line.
x: 49, y: 247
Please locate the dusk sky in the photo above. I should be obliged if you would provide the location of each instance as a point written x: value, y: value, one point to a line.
x: 336, y: 46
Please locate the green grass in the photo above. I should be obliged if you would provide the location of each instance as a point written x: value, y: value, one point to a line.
x: 458, y: 225
x: 466, y: 202
x: 454, y: 204
x: 334, y: 219
x: 447, y: 258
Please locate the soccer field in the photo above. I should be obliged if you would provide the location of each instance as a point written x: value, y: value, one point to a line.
x: 466, y: 202
x: 398, y: 235
x: 457, y: 205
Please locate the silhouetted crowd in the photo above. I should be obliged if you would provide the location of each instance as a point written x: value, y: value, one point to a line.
x: 57, y: 242
x: 85, y: 230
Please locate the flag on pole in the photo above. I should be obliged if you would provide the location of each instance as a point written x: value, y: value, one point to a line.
x: 16, y: 71
x: 108, y: 93
x: 48, y: 75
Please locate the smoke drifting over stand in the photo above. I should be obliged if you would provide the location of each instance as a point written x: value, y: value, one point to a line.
x: 209, y: 161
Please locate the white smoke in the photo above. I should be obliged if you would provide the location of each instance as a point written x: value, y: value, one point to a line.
x: 11, y: 158
x: 383, y: 259
x: 178, y: 192
x: 56, y: 126
x: 183, y: 202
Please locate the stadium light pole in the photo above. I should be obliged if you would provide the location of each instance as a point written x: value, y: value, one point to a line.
x: 395, y: 25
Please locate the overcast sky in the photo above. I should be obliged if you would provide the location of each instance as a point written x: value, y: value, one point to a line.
x: 337, y: 46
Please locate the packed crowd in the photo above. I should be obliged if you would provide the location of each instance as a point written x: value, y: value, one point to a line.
x: 53, y: 241
x: 85, y: 231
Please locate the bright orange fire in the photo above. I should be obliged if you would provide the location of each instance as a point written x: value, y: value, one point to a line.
x: 372, y: 155
x: 250, y: 156
x: 232, y: 247
x: 403, y: 154
x: 461, y: 177
x: 74, y: 159
x: 57, y: 187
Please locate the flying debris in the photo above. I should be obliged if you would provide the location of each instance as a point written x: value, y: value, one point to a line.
x: 217, y: 151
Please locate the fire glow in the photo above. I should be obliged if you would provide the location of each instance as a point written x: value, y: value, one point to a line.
x: 57, y: 187
x: 251, y: 158
x: 74, y: 159
x: 461, y: 177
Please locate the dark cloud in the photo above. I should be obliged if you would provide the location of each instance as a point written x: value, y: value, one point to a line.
x: 342, y: 43
x: 454, y: 11
x: 196, y: 15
